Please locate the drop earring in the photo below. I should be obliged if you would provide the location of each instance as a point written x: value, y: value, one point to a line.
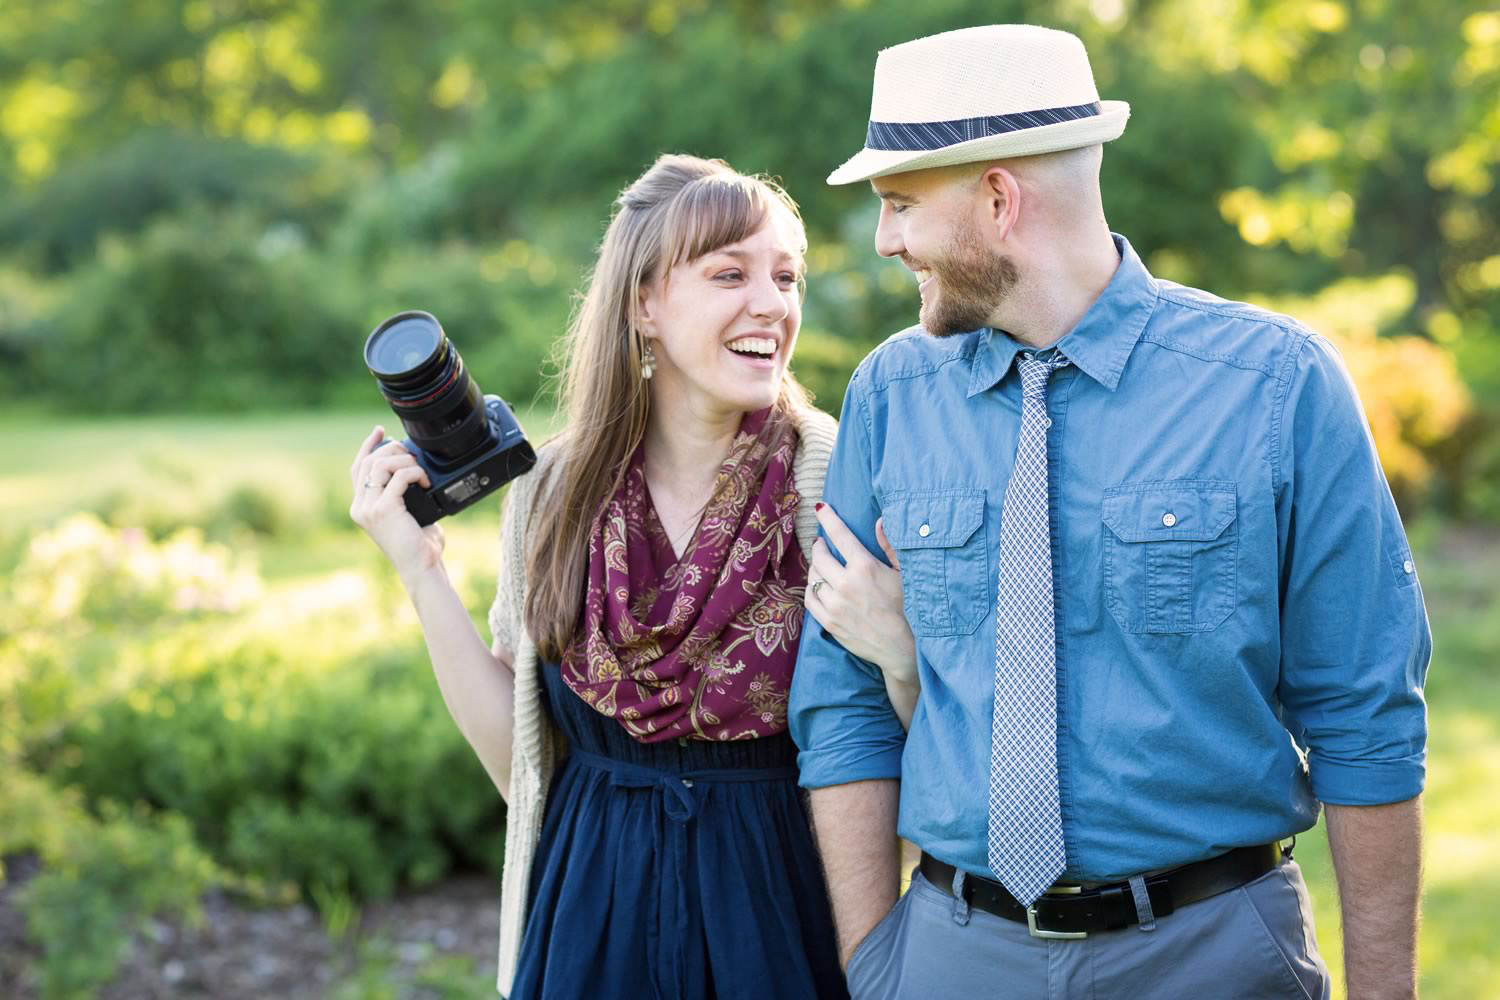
x: 648, y: 359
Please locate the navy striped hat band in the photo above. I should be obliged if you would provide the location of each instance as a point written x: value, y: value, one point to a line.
x: 937, y: 135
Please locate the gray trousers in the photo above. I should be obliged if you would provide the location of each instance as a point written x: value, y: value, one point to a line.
x: 1254, y: 941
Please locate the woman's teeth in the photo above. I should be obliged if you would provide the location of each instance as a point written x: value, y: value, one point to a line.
x: 758, y: 346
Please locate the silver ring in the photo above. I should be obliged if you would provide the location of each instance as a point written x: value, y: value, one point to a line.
x: 814, y: 588
x: 369, y: 485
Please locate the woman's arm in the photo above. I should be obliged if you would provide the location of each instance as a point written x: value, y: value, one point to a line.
x: 477, y: 682
x: 858, y: 602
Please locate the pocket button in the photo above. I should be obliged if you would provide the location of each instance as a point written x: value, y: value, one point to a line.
x: 1169, y: 519
x: 1407, y: 567
x: 926, y: 530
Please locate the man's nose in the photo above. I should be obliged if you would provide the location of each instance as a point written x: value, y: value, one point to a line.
x: 888, y: 242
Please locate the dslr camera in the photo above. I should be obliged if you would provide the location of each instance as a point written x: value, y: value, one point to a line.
x: 469, y: 444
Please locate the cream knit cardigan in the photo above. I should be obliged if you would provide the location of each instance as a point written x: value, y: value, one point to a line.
x: 535, y: 744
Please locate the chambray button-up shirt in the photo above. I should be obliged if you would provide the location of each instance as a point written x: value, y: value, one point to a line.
x: 1240, y: 626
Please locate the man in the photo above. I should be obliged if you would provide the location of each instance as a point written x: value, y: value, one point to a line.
x: 1163, y: 602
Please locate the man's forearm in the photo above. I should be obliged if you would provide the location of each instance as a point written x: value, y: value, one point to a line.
x: 855, y: 825
x: 1377, y: 856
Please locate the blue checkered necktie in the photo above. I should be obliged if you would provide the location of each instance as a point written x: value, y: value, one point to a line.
x: 1025, y: 830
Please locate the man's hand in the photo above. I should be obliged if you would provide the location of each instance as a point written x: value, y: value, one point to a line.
x: 1377, y: 856
x: 855, y: 825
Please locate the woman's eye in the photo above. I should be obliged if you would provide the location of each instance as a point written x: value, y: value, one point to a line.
x: 787, y: 278
x: 728, y: 275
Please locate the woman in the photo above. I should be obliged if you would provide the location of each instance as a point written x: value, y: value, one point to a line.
x: 632, y: 708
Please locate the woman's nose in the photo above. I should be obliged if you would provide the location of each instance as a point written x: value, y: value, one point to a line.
x: 767, y: 299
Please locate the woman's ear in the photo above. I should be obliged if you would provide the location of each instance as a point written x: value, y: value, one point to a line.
x: 645, y: 309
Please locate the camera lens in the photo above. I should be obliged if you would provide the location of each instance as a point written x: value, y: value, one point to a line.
x: 402, y: 343
x: 424, y: 380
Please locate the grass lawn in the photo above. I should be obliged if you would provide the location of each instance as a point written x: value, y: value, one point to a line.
x: 58, y: 466
x: 181, y: 468
x: 178, y: 469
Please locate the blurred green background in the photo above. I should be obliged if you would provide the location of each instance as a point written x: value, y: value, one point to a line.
x: 209, y: 682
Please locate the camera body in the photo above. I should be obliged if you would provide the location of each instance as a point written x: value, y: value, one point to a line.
x: 456, y: 487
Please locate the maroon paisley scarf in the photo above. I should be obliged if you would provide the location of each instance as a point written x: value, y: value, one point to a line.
x: 703, y: 646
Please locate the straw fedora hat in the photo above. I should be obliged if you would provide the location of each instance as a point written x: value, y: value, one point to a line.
x: 985, y: 93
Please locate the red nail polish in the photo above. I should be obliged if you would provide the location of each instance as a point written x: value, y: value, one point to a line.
x: 817, y: 506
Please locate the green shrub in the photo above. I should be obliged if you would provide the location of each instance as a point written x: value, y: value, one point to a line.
x: 101, y: 878
x: 1475, y: 453
x: 314, y: 847
x: 202, y: 313
x: 24, y: 299
x: 158, y: 513
x: 1480, y: 484
x: 256, y: 509
x: 84, y: 571
x: 198, y: 489
x: 347, y: 777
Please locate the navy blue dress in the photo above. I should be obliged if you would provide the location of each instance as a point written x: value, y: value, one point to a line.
x: 678, y: 871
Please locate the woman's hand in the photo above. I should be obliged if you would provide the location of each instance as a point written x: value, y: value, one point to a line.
x: 858, y: 602
x: 380, y: 474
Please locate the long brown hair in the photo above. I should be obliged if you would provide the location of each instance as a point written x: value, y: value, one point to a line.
x: 680, y: 209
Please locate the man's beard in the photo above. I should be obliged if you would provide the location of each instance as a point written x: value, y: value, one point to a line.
x: 971, y: 282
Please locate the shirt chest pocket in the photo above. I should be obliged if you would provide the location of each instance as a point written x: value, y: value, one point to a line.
x: 1170, y: 554
x: 940, y: 537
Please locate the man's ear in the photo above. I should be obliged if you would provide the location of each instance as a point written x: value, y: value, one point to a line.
x: 1002, y: 196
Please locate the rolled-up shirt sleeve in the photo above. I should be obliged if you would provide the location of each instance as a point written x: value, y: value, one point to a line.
x: 1355, y: 641
x: 839, y: 714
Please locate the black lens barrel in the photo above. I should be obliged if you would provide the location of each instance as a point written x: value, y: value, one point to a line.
x: 423, y: 378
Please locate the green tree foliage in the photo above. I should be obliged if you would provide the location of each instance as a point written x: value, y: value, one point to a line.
x: 461, y: 155
x: 200, y: 313
x: 153, y: 175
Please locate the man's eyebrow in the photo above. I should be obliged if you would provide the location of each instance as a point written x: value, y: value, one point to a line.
x: 889, y: 194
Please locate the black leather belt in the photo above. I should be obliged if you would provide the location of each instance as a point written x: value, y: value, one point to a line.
x: 1069, y: 911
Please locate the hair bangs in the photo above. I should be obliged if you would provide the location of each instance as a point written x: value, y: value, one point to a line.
x: 715, y: 212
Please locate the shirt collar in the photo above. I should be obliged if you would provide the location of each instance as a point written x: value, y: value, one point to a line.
x: 1099, y: 344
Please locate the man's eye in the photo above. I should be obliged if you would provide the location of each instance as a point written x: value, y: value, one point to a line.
x: 899, y: 209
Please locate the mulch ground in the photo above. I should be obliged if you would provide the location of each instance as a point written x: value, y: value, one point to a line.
x: 244, y: 953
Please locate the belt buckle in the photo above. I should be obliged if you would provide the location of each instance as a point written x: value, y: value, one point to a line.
x: 1039, y: 932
